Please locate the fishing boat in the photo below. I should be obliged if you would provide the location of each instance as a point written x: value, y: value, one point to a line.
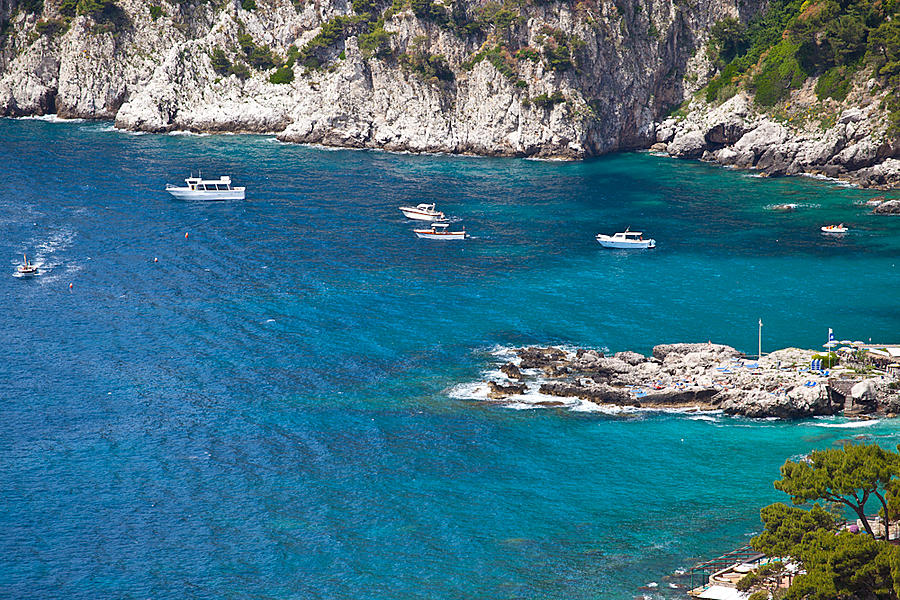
x: 422, y: 212
x: 834, y: 229
x: 27, y: 269
x: 206, y: 189
x: 625, y: 239
x: 439, y: 231
x: 785, y: 207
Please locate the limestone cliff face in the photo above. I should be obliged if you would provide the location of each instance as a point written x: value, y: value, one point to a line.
x: 846, y: 140
x: 499, y: 88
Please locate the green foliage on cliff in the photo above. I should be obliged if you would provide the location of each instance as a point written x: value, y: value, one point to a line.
x: 834, y: 83
x: 315, y: 53
x: 248, y: 4
x: 548, y: 101
x: 220, y: 63
x: 155, y: 11
x: 560, y: 48
x: 797, y: 39
x: 283, y: 74
x: 259, y: 57
x: 240, y: 70
x: 32, y: 6
x: 377, y: 42
x: 50, y: 27
x: 433, y: 68
x: 837, y: 563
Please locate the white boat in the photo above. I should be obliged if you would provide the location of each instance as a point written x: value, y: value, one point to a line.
x: 439, y: 231
x: 422, y: 212
x: 625, y: 239
x: 785, y: 207
x: 27, y: 269
x: 834, y: 229
x: 206, y: 189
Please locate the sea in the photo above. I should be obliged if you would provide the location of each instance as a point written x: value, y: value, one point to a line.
x: 266, y: 398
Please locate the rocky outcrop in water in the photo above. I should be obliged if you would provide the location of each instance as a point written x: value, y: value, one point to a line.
x: 701, y: 376
x: 539, y: 78
x: 736, y: 133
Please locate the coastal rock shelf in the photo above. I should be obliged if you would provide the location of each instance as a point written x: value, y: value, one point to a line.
x: 701, y: 377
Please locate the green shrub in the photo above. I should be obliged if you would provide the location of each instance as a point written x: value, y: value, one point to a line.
x: 559, y: 49
x: 261, y: 58
x: 433, y: 68
x: 759, y: 595
x: 245, y: 41
x: 248, y: 4
x: 828, y: 360
x: 67, y: 7
x: 283, y: 74
x: 292, y: 55
x: 313, y: 54
x: 365, y: 7
x: 834, y: 83
x: 545, y: 101
x: 240, y: 70
x: 32, y: 6
x: 155, y: 11
x: 730, y: 37
x: 528, y: 54
x: 220, y: 62
x: 747, y: 581
x: 521, y: 84
x: 376, y: 42
x: 779, y: 74
x: 50, y: 27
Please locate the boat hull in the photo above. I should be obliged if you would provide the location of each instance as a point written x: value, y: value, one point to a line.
x: 189, y: 194
x: 421, y: 216
x: 624, y: 245
x: 450, y: 235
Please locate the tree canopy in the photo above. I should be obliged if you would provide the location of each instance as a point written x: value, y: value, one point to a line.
x: 837, y: 564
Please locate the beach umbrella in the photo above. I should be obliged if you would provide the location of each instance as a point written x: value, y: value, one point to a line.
x: 846, y: 342
x: 830, y: 344
x: 858, y: 343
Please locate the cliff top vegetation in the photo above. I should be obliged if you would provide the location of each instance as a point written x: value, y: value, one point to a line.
x: 794, y: 40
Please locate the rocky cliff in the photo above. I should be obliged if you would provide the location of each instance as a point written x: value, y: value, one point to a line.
x: 537, y: 78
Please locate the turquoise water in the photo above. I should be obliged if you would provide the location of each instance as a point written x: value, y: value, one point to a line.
x: 267, y: 412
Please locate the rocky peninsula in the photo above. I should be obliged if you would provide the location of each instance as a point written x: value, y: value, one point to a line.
x: 697, y: 377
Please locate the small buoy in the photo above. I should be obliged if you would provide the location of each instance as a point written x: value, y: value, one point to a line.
x: 185, y: 235
x: 70, y: 286
x: 155, y: 259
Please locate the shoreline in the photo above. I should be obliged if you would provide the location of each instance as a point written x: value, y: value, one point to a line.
x: 656, y: 149
x: 699, y: 378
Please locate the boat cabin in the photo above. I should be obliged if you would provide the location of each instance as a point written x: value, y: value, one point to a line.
x: 629, y: 235
x: 209, y: 185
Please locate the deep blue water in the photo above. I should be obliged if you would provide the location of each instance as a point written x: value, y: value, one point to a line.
x: 266, y: 412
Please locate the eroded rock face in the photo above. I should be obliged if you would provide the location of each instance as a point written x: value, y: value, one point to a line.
x: 889, y: 207
x: 855, y: 147
x: 157, y: 75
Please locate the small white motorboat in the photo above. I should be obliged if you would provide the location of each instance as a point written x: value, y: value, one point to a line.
x: 785, y: 207
x: 625, y: 239
x: 422, y: 212
x: 439, y: 231
x: 834, y: 229
x: 206, y: 189
x: 27, y: 269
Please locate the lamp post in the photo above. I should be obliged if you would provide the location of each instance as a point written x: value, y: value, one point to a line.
x: 759, y: 347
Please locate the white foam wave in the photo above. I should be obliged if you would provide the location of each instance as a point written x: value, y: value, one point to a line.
x: 850, y: 424
x: 834, y: 180
x: 54, y: 118
x: 186, y: 132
